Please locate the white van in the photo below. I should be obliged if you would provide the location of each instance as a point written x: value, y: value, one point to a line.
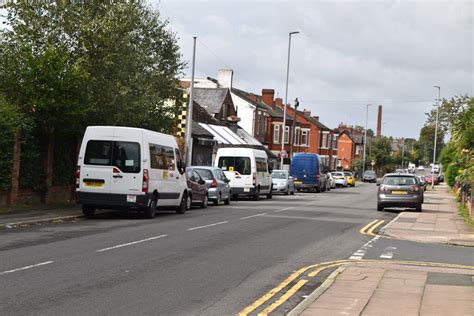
x: 247, y: 170
x: 130, y: 168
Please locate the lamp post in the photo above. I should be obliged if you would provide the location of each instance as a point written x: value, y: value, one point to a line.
x: 365, y: 136
x: 286, y: 98
x: 436, y: 136
x: 189, y: 114
x: 293, y: 134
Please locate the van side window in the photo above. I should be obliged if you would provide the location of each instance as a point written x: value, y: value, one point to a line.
x: 261, y: 165
x: 161, y: 157
x: 240, y: 164
x: 123, y: 155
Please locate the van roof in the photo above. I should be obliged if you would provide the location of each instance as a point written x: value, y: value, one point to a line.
x: 123, y: 132
x: 235, y: 151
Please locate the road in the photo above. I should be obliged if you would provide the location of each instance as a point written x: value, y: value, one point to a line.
x: 213, y: 261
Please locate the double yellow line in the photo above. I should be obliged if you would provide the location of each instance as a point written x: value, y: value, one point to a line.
x: 370, y: 227
x: 319, y: 268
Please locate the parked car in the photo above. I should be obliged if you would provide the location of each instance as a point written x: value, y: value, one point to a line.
x: 130, y: 168
x: 339, y: 178
x: 441, y: 177
x: 197, y: 187
x: 218, y: 188
x: 399, y: 190
x: 283, y: 182
x: 423, y: 182
x: 369, y: 176
x: 331, y: 180
x: 350, y: 178
x: 435, y: 168
x: 430, y: 179
x: 247, y: 169
x: 421, y: 168
x: 307, y: 172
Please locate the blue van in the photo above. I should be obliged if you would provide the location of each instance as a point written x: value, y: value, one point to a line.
x: 306, y: 172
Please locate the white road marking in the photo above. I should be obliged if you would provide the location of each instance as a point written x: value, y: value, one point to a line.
x: 131, y: 243
x: 27, y: 267
x: 284, y: 209
x: 210, y: 225
x: 359, y: 254
x: 388, y: 253
x: 246, y: 217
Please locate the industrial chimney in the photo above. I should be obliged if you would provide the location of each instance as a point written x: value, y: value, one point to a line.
x: 379, y: 122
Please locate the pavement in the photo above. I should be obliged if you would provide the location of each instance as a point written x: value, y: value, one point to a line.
x: 38, y: 216
x: 388, y: 287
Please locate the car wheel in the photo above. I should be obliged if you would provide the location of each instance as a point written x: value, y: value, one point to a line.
x: 380, y: 207
x: 88, y: 211
x: 205, y: 202
x: 418, y: 208
x: 151, y: 210
x: 292, y: 192
x: 217, y: 200
x: 227, y: 201
x: 287, y: 190
x: 256, y: 196
x: 183, y: 206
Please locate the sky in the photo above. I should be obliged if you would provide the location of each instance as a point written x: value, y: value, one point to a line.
x: 348, y: 53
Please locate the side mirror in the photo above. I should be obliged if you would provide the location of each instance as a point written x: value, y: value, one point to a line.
x: 181, y: 167
x: 202, y: 182
x: 270, y: 170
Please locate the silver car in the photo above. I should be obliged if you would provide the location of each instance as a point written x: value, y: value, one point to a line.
x: 399, y: 190
x: 216, y: 183
x: 283, y: 182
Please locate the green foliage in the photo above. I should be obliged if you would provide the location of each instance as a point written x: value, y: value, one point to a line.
x: 451, y: 173
x: 426, y: 142
x: 463, y: 128
x: 10, y: 119
x: 449, y: 111
x: 448, y: 155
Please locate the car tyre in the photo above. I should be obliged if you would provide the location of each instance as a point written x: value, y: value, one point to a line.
x: 292, y: 192
x: 418, y: 208
x: 287, y: 190
x: 270, y: 194
x: 217, y: 201
x: 183, y: 205
x: 256, y: 196
x: 205, y: 202
x: 151, y: 210
x: 88, y: 211
x: 380, y: 207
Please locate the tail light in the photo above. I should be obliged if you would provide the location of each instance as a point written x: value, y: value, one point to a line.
x: 214, y: 184
x: 146, y: 179
x: 384, y: 188
x: 115, y: 170
x: 254, y: 178
x: 78, y: 177
x: 414, y: 188
x: 317, y: 177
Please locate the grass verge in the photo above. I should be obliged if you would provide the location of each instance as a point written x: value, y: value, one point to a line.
x: 464, y: 212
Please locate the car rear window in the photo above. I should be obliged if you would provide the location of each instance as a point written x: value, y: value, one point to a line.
x: 348, y: 174
x: 279, y: 175
x: 123, y: 155
x: 240, y: 164
x: 205, y: 174
x: 399, y: 181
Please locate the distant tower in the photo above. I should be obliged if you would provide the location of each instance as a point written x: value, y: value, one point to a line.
x: 379, y: 122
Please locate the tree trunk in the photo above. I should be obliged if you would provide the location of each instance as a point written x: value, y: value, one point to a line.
x: 48, y: 164
x: 15, y: 179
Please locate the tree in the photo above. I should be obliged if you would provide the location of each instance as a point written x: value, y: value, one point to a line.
x: 426, y: 142
x: 449, y: 111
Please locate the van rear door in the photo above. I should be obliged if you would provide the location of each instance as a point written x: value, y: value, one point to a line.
x: 96, y: 173
x: 127, y: 175
x: 238, y: 170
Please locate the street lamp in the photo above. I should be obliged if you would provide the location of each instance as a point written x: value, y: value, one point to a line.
x: 436, y: 136
x: 286, y: 98
x: 365, y: 135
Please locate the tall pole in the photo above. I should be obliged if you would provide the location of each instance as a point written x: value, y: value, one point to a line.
x: 286, y: 99
x: 436, y: 136
x: 189, y: 113
x: 365, y: 135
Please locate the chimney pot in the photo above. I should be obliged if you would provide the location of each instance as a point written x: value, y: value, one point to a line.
x: 225, y: 77
x: 267, y: 97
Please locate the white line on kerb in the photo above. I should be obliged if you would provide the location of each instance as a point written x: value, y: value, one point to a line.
x: 210, y: 225
x: 27, y: 267
x: 246, y: 217
x: 131, y: 243
x: 388, y: 253
x: 359, y: 254
x: 284, y: 209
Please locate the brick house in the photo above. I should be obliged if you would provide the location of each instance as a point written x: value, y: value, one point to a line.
x: 350, y: 146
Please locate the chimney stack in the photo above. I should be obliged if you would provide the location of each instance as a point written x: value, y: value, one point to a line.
x: 267, y: 97
x: 379, y: 122
x: 307, y: 113
x: 279, y: 102
x: 224, y: 78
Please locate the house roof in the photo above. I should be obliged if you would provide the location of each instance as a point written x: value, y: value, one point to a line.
x: 356, y: 138
x: 225, y: 135
x: 274, y: 112
x: 200, y: 115
x: 211, y: 99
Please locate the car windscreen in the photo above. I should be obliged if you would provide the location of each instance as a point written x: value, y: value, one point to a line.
x: 279, y: 175
x: 348, y: 174
x: 205, y: 174
x: 123, y: 155
x: 399, y: 181
x: 369, y: 173
x: 337, y: 174
x: 240, y: 164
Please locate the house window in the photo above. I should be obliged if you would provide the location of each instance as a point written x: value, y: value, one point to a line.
x: 334, y: 141
x: 287, y: 134
x: 265, y: 124
x: 304, y: 137
x: 297, y: 136
x: 258, y: 123
x: 325, y: 140
x: 276, y: 134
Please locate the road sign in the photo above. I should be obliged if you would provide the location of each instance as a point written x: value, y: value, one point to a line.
x: 373, y: 163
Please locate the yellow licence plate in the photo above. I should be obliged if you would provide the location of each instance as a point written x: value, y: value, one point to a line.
x: 399, y: 192
x: 298, y: 182
x: 93, y: 184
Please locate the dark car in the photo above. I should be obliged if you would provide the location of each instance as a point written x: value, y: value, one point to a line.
x: 429, y: 179
x: 369, y: 176
x: 399, y: 190
x: 197, y: 185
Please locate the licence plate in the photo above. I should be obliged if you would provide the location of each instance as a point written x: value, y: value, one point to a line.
x: 298, y: 182
x: 131, y: 198
x: 93, y: 184
x: 399, y: 192
x: 246, y: 189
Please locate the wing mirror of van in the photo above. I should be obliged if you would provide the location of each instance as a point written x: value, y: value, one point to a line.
x: 181, y: 167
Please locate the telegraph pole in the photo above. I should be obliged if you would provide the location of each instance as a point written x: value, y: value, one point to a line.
x: 189, y: 114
